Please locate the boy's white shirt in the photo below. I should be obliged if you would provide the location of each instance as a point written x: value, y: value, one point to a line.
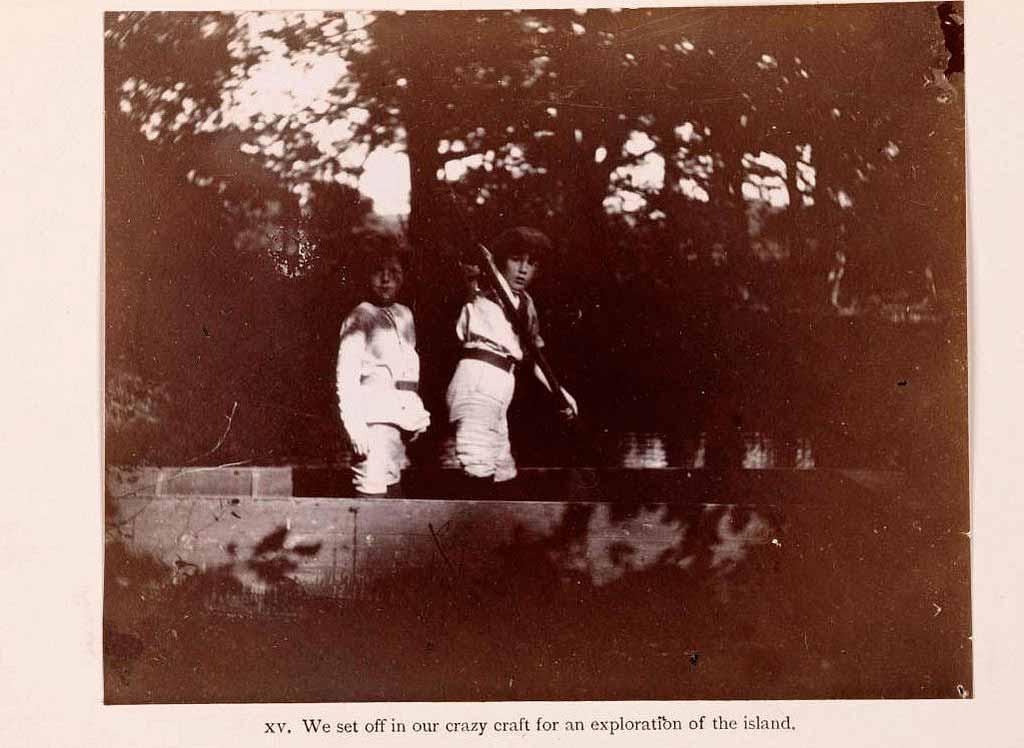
x: 377, y: 348
x: 483, y: 324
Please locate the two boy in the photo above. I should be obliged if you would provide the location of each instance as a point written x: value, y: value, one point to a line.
x: 378, y: 368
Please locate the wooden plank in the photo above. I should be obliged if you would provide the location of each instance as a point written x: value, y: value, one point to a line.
x: 363, y: 542
x: 200, y: 481
x: 621, y: 485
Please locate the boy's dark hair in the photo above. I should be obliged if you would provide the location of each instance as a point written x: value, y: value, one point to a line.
x: 521, y: 240
x: 374, y: 248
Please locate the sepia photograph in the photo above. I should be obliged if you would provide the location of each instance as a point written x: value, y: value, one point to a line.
x: 536, y: 355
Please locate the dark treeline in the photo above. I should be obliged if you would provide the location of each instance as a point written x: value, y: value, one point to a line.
x: 760, y: 216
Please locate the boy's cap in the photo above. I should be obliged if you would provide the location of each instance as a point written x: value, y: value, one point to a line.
x: 521, y: 239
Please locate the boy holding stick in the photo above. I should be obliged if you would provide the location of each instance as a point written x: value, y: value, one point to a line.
x: 499, y: 330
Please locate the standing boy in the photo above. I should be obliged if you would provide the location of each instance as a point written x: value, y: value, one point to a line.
x: 482, y: 387
x: 378, y: 377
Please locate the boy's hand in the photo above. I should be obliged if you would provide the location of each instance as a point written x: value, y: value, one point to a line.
x: 573, y: 409
x: 472, y: 275
x: 360, y: 442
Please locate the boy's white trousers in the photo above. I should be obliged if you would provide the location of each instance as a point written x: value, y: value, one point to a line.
x: 384, y: 461
x: 478, y: 399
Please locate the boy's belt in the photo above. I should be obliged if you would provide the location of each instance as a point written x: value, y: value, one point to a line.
x: 408, y: 386
x: 505, y: 363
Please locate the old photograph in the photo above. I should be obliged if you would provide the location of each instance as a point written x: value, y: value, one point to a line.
x: 536, y: 355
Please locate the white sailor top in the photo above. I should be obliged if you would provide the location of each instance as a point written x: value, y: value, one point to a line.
x: 483, y: 324
x: 378, y: 369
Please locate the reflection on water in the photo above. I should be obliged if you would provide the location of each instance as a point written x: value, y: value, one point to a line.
x: 645, y: 450
x: 804, y: 455
x: 758, y: 452
x: 639, y: 450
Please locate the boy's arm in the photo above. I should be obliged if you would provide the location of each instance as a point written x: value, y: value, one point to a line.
x: 471, y: 275
x: 533, y: 323
x: 538, y: 342
x: 462, y: 324
x: 349, y: 371
x: 572, y: 408
x: 410, y: 328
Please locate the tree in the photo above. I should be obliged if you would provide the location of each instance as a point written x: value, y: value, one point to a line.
x: 222, y: 286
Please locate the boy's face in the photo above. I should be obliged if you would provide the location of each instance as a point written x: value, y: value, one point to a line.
x: 519, y: 270
x: 386, y: 280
